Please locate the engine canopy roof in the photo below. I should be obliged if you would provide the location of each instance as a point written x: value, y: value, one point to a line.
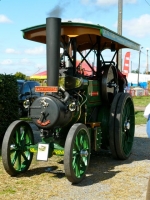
x: 85, y: 34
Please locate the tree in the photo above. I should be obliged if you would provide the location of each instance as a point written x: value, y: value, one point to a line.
x: 20, y: 75
x: 135, y: 71
x: 145, y: 72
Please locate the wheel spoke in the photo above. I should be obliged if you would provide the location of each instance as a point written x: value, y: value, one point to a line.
x: 84, y: 160
x: 127, y: 106
x: 125, y: 147
x: 76, y: 166
x: 80, y: 166
x: 85, y: 143
x: 18, y: 163
x: 77, y: 143
x: 24, y: 156
x: 129, y: 139
x: 81, y: 140
x: 13, y: 156
x: 22, y: 133
x: 18, y: 136
x: 126, y: 120
x: 14, y: 142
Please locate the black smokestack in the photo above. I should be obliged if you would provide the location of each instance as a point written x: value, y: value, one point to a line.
x: 53, y: 31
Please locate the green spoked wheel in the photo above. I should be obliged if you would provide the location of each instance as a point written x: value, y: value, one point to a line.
x: 122, y: 125
x: 77, y: 153
x: 16, y: 156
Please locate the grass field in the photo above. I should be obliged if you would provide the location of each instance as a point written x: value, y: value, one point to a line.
x: 140, y: 101
x: 139, y: 118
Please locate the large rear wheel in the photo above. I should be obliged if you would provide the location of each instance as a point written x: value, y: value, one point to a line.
x: 16, y: 156
x: 122, y: 122
x: 112, y: 120
x: 77, y: 153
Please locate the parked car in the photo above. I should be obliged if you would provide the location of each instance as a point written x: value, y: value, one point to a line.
x: 26, y: 91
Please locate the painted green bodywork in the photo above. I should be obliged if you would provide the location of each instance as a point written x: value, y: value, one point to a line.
x: 94, y: 87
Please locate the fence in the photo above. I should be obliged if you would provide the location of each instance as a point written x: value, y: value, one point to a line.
x: 140, y: 92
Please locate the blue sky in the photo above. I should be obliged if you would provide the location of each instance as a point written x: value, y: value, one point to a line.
x: 20, y: 55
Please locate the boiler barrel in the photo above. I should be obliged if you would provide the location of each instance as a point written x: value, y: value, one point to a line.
x: 48, y: 112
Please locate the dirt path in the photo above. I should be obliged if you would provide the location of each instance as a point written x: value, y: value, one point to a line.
x: 139, y: 108
x: 107, y: 179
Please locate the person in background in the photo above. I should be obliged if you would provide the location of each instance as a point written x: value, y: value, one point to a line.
x: 147, y: 116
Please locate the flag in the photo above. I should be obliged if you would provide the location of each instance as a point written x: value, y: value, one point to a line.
x: 126, y: 64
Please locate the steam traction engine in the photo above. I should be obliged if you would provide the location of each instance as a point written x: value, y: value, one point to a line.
x: 84, y: 108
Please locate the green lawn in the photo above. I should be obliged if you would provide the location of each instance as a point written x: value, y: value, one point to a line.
x: 140, y: 101
x: 139, y: 118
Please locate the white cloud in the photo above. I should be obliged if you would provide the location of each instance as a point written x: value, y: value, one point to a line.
x: 4, y: 19
x: 113, y: 2
x: 138, y: 27
x: 25, y: 61
x: 11, y: 51
x: 36, y: 50
x: 7, y: 62
x: 106, y: 2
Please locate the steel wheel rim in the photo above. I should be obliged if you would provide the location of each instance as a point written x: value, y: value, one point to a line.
x: 127, y: 127
x: 20, y: 156
x: 80, y: 153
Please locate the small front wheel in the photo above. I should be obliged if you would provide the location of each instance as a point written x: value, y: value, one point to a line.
x: 77, y: 153
x: 16, y: 156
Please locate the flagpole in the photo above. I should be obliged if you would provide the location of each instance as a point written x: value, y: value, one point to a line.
x: 120, y: 8
x: 139, y: 67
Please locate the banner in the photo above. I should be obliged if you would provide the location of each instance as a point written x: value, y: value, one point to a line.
x: 126, y: 64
